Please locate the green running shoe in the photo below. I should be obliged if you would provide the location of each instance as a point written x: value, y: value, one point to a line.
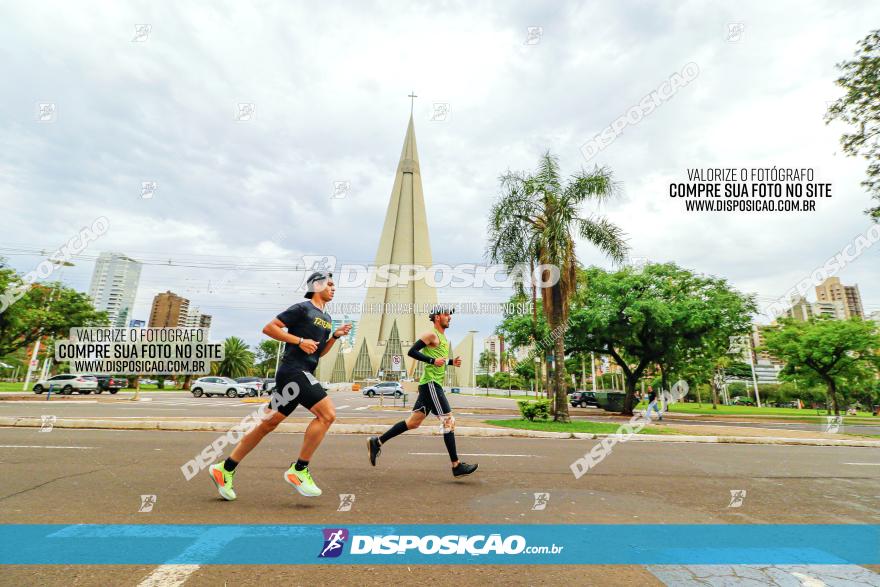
x: 303, y: 481
x: 223, y: 480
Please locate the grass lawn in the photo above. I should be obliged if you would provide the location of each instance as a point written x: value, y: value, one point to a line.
x: 706, y: 408
x: 877, y: 436
x: 578, y: 426
x: 503, y: 396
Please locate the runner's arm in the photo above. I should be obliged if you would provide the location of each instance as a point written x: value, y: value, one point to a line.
x: 415, y: 351
x: 275, y: 329
x: 341, y: 331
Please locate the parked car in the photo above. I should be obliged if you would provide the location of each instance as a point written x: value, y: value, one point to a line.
x: 209, y: 386
x: 384, y: 388
x: 268, y: 385
x: 110, y: 383
x: 67, y: 384
x: 583, y: 399
x: 252, y: 382
x: 742, y: 400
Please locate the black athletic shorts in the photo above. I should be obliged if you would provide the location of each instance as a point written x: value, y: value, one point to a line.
x: 302, y: 389
x: 431, y: 400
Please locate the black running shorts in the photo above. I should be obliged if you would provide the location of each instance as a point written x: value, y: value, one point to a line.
x: 295, y: 387
x: 431, y: 400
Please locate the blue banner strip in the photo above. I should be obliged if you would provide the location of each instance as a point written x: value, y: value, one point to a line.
x: 637, y: 544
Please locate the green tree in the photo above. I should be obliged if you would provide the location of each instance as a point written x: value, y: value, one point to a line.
x: 662, y: 314
x: 834, y: 352
x: 537, y: 219
x: 46, y: 309
x: 265, y: 355
x: 860, y: 108
x: 237, y: 361
x: 487, y: 361
x: 504, y: 380
x: 526, y: 371
x: 738, y: 370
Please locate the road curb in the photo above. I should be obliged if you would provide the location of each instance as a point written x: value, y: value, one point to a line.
x: 218, y: 426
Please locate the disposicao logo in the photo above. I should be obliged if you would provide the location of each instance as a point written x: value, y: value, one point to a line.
x: 334, y: 540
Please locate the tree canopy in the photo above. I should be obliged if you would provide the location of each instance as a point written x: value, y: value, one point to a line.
x: 860, y: 108
x: 46, y: 309
x: 833, y: 352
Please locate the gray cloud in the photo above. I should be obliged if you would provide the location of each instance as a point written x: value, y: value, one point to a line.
x: 329, y: 85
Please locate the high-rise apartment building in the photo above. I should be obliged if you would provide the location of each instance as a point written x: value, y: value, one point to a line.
x: 114, y: 286
x: 169, y: 311
x: 831, y: 290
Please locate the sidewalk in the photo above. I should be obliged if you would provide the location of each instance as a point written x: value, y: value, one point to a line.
x: 352, y: 426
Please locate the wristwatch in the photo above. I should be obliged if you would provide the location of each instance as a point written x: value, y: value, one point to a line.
x: 335, y: 337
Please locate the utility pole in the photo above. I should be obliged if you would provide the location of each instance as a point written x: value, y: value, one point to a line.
x: 593, y: 368
x: 583, y: 374
x: 31, y: 364
x: 278, y: 355
x: 752, y: 365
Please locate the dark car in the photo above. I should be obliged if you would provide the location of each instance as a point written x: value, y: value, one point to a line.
x: 583, y: 399
x: 110, y: 383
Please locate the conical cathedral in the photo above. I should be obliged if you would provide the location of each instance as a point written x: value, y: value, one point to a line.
x: 384, y: 337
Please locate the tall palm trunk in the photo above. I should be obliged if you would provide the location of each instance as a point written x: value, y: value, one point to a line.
x: 557, y: 327
x: 561, y: 403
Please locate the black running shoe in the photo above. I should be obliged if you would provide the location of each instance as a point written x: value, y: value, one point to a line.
x: 463, y: 469
x: 374, y: 447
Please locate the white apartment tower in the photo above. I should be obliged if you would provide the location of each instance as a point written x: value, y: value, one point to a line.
x: 114, y: 286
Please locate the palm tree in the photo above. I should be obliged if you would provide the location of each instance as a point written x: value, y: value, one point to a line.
x: 535, y: 221
x: 488, y: 361
x: 237, y: 359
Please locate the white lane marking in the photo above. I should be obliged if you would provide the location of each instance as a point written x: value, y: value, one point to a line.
x: 342, y: 407
x: 868, y: 464
x: 362, y: 408
x: 51, y: 401
x: 151, y: 408
x: 169, y: 576
x: 477, y: 454
x: 42, y: 446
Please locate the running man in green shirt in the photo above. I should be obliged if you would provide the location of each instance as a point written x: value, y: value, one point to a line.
x: 432, y: 348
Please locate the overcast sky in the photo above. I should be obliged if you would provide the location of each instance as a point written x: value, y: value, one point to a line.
x: 329, y: 83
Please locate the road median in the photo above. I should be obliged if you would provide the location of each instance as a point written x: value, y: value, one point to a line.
x: 184, y: 425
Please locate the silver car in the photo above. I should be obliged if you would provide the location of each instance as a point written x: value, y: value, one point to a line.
x: 67, y: 384
x: 221, y: 386
x: 384, y: 388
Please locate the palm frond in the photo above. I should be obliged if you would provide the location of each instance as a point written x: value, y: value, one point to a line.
x: 605, y: 236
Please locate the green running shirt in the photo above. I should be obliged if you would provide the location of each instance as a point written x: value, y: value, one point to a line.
x: 441, y: 351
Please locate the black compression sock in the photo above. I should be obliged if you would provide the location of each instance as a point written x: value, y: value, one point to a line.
x: 229, y: 464
x: 449, y: 440
x: 300, y: 464
x: 395, y: 430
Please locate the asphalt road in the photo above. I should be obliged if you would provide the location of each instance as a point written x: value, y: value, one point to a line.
x: 181, y: 404
x: 70, y: 476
